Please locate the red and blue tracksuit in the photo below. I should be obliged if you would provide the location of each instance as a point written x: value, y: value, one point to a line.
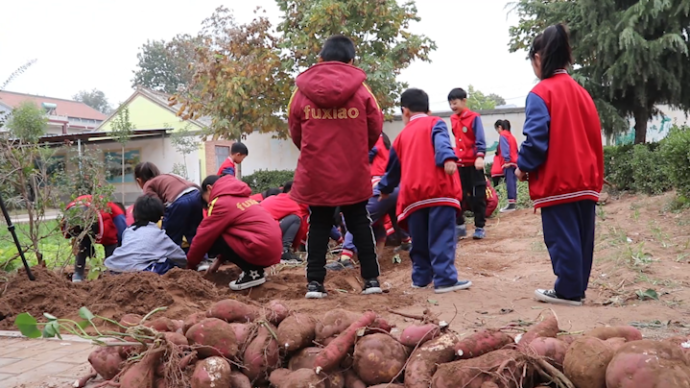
x: 508, y: 156
x: 227, y: 168
x: 563, y: 156
x: 428, y: 200
x: 470, y: 144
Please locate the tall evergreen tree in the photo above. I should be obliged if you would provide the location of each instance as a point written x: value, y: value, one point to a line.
x: 631, y: 55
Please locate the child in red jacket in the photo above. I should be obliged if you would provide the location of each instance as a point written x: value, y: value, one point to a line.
x: 508, y: 150
x: 333, y: 116
x: 293, y: 219
x: 237, y: 229
x: 238, y: 152
x: 562, y: 159
x: 470, y: 147
x: 422, y: 162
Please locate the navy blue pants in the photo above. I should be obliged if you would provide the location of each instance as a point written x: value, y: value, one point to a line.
x: 569, y: 237
x: 433, y: 246
x: 183, y: 216
x: 511, y: 184
x: 377, y: 211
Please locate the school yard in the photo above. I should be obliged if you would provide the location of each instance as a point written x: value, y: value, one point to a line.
x: 641, y: 278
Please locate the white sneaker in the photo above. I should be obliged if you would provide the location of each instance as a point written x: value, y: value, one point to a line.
x: 460, y: 285
x: 550, y: 296
x: 205, y: 265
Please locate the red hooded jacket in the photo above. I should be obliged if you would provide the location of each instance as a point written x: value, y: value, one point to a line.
x: 465, y: 139
x: 282, y: 205
x: 380, y: 162
x: 107, y: 231
x: 334, y: 120
x: 244, y: 225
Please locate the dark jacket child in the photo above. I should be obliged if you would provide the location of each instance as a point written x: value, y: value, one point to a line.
x: 238, y: 152
x: 562, y: 159
x: 508, y: 150
x: 470, y: 147
x: 106, y: 230
x: 238, y: 230
x: 422, y: 162
x: 293, y: 219
x: 333, y: 116
x: 182, y: 200
x: 145, y: 247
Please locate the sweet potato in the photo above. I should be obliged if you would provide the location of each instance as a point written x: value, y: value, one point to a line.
x: 333, y: 323
x: 546, y: 328
x: 416, y: 335
x: 506, y: 364
x: 568, y: 339
x: 550, y: 348
x: 128, y: 351
x: 215, y: 337
x: 387, y: 386
x: 424, y: 361
x: 379, y: 358
x: 231, y: 310
x: 336, y: 351
x: 193, y: 320
x: 141, y: 374
x: 489, y: 384
x: 242, y: 332
x: 212, y: 372
x: 106, y: 361
x: 381, y: 324
x: 681, y: 341
x: 239, y: 380
x: 352, y: 380
x: 335, y: 380
x: 161, y: 324
x: 645, y: 363
x: 130, y: 320
x: 303, y: 378
x: 277, y: 376
x: 179, y: 326
x: 296, y: 332
x: 482, y: 342
x: 615, y: 343
x: 586, y: 361
x: 176, y: 338
x: 277, y: 312
x: 261, y: 355
x: 628, y: 332
x: 304, y: 359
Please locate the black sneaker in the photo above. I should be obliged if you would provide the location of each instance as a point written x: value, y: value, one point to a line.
x: 340, y: 265
x: 248, y: 280
x: 289, y: 257
x: 315, y: 290
x: 511, y: 207
x: 372, y: 286
x: 550, y: 296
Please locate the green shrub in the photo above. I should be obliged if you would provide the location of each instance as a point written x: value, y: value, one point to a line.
x: 264, y: 179
x: 675, y: 157
x: 618, y: 168
x: 649, y: 173
x: 523, y: 199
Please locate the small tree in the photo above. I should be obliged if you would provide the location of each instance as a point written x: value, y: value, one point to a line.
x: 95, y: 99
x: 476, y: 100
x: 122, y: 131
x: 185, y: 142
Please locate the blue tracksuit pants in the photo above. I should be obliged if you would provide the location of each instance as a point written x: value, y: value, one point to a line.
x: 569, y: 237
x: 433, y: 246
x: 377, y: 210
x: 183, y: 216
x: 511, y: 184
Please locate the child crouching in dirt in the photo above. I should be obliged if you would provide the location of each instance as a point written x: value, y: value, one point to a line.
x: 236, y: 229
x: 145, y: 247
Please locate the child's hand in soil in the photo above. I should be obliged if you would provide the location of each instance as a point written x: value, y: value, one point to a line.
x: 215, y: 266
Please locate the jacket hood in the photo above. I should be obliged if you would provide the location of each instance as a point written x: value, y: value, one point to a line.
x: 229, y: 185
x: 331, y: 84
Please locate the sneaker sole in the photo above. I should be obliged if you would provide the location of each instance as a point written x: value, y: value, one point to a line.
x: 454, y: 288
x: 545, y: 299
x: 478, y: 238
x: 416, y: 287
x: 507, y: 211
x: 338, y: 268
x: 315, y: 295
x: 244, y: 286
x: 203, y: 268
x: 297, y: 262
x: 372, y: 291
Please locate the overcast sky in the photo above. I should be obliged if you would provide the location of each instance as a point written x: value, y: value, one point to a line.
x: 86, y: 44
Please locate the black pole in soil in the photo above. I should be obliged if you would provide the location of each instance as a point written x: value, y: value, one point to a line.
x: 10, y: 227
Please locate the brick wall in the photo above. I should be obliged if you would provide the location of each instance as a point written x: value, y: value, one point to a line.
x: 210, y: 152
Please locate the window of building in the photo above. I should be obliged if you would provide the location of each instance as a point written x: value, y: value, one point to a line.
x: 113, y: 165
x: 222, y: 153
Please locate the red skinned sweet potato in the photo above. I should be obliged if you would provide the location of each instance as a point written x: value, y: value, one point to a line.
x: 379, y: 358
x: 424, y: 361
x: 628, y: 332
x: 568, y: 339
x: 352, y: 380
x: 546, y: 328
x: 416, y: 335
x: 482, y: 342
x: 242, y: 332
x: 276, y: 312
x: 231, y: 310
x: 106, y: 361
x: 130, y: 320
x: 142, y: 373
x: 239, y: 380
x: 296, y: 332
x: 304, y: 359
x: 336, y: 351
x: 193, y: 320
x: 645, y: 363
x: 215, y: 336
x: 387, y: 386
x: 179, y: 326
x: 277, y: 376
x: 585, y: 362
x: 303, y: 378
x: 176, y: 338
x: 550, y: 348
x: 473, y: 372
x: 213, y: 372
x: 261, y: 356
x: 615, y: 343
x: 333, y: 323
x: 128, y: 351
x: 381, y: 324
x: 161, y: 324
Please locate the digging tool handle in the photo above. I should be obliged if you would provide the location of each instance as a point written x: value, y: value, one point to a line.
x: 10, y: 227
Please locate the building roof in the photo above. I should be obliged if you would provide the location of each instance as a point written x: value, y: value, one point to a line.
x: 67, y: 108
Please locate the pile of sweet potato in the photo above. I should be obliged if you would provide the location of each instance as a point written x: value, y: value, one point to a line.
x: 242, y: 346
